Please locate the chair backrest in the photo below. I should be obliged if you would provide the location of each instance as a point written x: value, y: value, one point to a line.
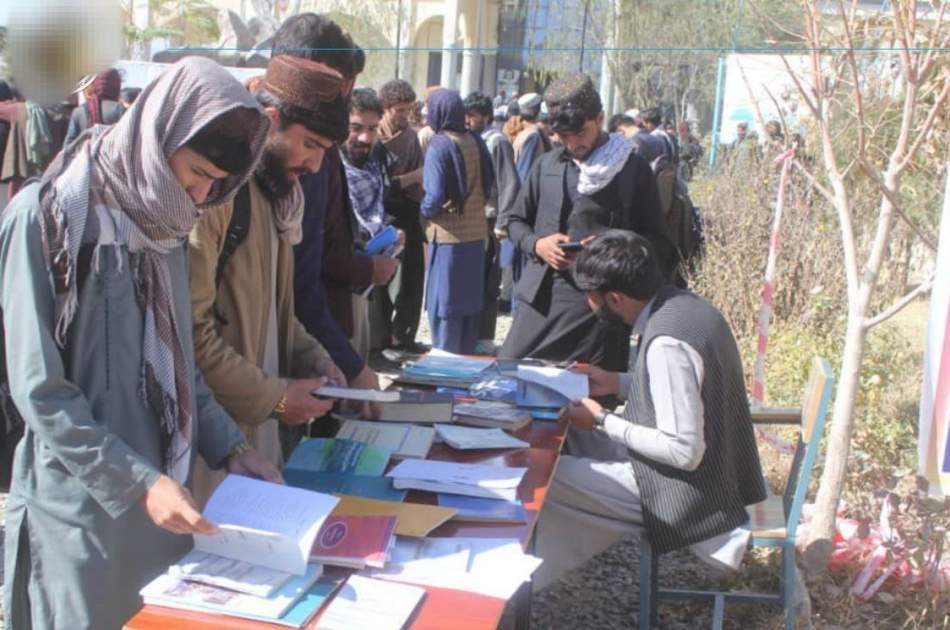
x: 814, y: 409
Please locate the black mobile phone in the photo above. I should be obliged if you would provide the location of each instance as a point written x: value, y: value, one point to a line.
x: 573, y: 246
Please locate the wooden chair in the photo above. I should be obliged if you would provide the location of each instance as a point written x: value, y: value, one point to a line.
x: 774, y: 522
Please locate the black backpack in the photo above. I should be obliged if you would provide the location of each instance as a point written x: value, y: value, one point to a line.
x: 683, y: 219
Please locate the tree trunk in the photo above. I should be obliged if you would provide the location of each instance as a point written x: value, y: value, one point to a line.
x: 821, y: 528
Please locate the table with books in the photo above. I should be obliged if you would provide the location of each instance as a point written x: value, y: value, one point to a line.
x: 380, y: 527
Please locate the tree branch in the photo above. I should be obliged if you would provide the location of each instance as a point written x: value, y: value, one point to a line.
x: 871, y: 172
x: 892, y: 310
x: 801, y: 90
x: 827, y: 194
x: 858, y: 99
x: 928, y: 124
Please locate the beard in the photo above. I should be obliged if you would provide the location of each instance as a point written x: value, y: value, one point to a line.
x: 357, y: 153
x: 275, y: 178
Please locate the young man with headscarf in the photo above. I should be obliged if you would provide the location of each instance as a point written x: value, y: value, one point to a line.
x: 478, y: 119
x: 258, y: 359
x: 593, y: 182
x: 458, y: 178
x: 94, y: 292
x: 395, y: 313
x: 102, y: 106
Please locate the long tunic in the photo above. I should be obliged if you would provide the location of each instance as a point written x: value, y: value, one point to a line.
x: 553, y: 320
x: 78, y: 546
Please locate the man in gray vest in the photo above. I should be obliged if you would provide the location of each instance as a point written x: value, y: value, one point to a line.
x: 681, y: 461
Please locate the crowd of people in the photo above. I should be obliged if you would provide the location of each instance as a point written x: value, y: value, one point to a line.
x: 189, y: 263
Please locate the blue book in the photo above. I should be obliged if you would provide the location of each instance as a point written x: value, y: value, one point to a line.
x: 534, y: 395
x: 304, y: 610
x: 543, y: 414
x: 384, y: 239
x: 478, y: 510
x: 330, y: 455
x: 344, y: 483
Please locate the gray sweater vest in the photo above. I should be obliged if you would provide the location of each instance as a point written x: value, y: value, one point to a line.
x: 684, y: 507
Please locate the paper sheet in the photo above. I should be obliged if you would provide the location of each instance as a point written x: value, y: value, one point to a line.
x: 569, y: 384
x: 366, y: 603
x: 481, y: 475
x: 412, y: 519
x: 365, y: 395
x: 496, y: 567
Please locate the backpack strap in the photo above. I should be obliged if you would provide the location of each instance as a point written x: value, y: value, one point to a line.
x: 237, y: 231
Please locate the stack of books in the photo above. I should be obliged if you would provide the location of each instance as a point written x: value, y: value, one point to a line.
x: 440, y: 368
x: 474, y: 480
x: 257, y: 566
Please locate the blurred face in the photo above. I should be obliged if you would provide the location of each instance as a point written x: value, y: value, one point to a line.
x: 741, y: 131
x: 579, y: 145
x: 476, y: 122
x: 194, y: 172
x: 399, y: 115
x: 364, y: 127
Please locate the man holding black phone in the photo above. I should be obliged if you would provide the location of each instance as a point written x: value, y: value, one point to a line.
x: 592, y: 183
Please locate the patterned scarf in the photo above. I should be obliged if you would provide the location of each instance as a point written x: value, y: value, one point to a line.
x: 604, y: 163
x: 366, y: 185
x: 124, y: 168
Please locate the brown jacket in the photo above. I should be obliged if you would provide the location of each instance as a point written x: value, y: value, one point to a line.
x: 230, y: 353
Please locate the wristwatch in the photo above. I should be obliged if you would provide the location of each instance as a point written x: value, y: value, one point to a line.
x: 237, y: 451
x: 600, y: 418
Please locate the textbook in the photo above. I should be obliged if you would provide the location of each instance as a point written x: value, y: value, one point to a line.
x: 401, y: 439
x: 171, y: 591
x: 354, y: 541
x: 385, y: 243
x: 344, y: 483
x: 407, y: 406
x: 235, y: 575
x: 371, y: 604
x: 491, y: 414
x: 444, y: 368
x: 475, y: 480
x: 475, y: 510
x: 415, y: 520
x: 264, y: 523
x: 545, y: 386
x: 467, y: 438
x: 328, y: 455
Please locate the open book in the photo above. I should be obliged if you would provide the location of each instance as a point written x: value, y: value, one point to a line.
x: 264, y: 523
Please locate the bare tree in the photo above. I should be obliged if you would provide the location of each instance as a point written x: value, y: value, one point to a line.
x: 836, y: 89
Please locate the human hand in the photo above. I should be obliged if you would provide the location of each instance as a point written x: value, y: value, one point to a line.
x: 367, y: 379
x: 401, y: 237
x: 252, y: 464
x: 384, y: 268
x: 302, y: 405
x: 547, y: 249
x: 600, y: 382
x: 328, y: 369
x: 171, y: 507
x: 581, y: 413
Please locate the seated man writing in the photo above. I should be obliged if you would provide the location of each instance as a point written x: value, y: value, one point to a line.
x: 681, y: 461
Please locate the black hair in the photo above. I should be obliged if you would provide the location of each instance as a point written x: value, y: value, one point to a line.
x: 396, y: 91
x: 364, y: 99
x: 318, y: 38
x: 620, y: 120
x: 129, y: 94
x: 652, y: 116
x: 478, y: 103
x: 224, y: 140
x: 618, y: 260
x: 330, y: 119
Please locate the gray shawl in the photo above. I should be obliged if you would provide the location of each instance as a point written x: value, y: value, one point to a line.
x: 124, y: 170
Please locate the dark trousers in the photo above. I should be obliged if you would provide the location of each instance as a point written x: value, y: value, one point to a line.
x: 489, y: 314
x: 395, y: 310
